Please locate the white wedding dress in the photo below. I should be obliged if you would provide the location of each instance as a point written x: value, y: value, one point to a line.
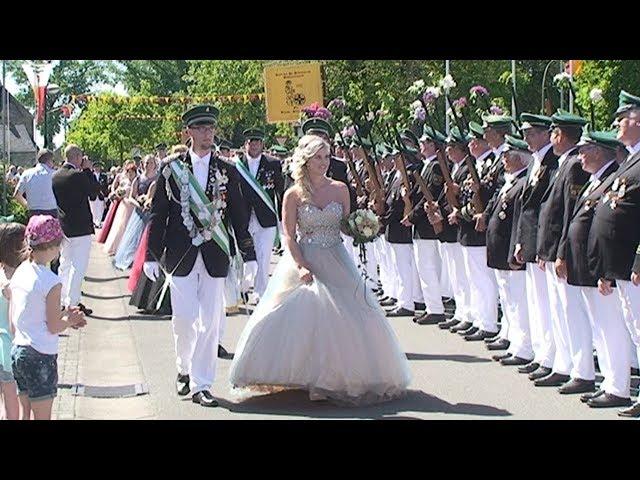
x: 330, y: 337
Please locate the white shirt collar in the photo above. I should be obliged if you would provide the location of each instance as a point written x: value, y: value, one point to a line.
x: 195, y: 158
x: 542, y: 152
x: 510, y: 177
x: 498, y: 151
x: 564, y: 156
x: 71, y: 164
x: 596, y: 176
x: 252, y: 159
x: 482, y: 157
x: 429, y: 159
x: 635, y: 149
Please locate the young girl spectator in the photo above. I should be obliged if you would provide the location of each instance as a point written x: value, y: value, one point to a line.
x: 11, y: 251
x: 37, y: 319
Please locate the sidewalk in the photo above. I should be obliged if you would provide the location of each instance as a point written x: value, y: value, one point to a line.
x: 103, y: 354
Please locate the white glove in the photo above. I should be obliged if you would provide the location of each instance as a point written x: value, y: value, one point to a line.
x: 151, y: 270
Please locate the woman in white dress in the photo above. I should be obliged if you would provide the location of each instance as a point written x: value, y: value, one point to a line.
x: 318, y: 328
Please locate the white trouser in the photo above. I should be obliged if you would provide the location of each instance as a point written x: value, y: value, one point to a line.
x: 459, y: 282
x: 571, y: 329
x: 97, y: 210
x: 403, y: 258
x: 515, y: 314
x: 197, y: 301
x: 445, y: 281
x: 629, y: 296
x: 74, y: 260
x: 540, y: 316
x: 427, y: 261
x: 611, y: 339
x: 263, y: 239
x: 392, y: 271
x: 484, y: 291
x: 380, y: 250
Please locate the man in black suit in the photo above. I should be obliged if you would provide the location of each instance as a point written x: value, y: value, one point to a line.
x: 262, y: 187
x: 603, y: 314
x: 194, y: 248
x: 498, y: 218
x: 614, y: 237
x: 556, y: 207
x: 98, y: 205
x: 74, y: 186
x: 527, y: 208
x: 399, y: 235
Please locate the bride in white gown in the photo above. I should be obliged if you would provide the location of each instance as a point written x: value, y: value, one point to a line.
x: 317, y: 327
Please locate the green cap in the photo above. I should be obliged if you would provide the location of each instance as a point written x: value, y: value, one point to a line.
x: 280, y: 149
x: 318, y: 125
x: 562, y: 118
x: 515, y: 143
x: 429, y: 133
x: 530, y: 120
x: 476, y: 129
x: 602, y: 139
x: 253, y: 134
x: 161, y: 146
x: 626, y: 102
x: 355, y: 142
x: 200, y: 115
x: 492, y: 121
x: 409, y: 135
x: 455, y: 136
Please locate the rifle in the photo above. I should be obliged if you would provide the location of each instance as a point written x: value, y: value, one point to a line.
x: 426, y: 193
x: 360, y: 190
x: 446, y: 173
x: 476, y: 201
x: 377, y: 188
x: 403, y: 171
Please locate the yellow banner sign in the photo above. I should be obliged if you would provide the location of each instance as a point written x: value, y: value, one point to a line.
x: 289, y: 88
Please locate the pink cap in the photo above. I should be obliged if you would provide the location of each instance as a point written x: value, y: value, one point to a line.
x: 43, y: 229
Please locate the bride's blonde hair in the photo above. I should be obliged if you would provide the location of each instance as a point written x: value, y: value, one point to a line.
x: 307, y: 147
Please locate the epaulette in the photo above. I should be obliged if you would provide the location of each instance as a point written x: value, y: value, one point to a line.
x: 170, y: 158
x: 231, y: 161
x: 271, y: 159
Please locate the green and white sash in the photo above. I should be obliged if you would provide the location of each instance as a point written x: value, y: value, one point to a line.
x: 200, y: 206
x: 262, y: 193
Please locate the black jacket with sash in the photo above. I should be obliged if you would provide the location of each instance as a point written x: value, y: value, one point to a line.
x: 269, y: 176
x: 169, y: 240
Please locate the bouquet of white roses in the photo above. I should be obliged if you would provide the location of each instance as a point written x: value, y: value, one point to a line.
x: 362, y: 225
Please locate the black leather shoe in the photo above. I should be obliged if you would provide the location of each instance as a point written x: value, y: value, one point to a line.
x: 430, y: 319
x: 479, y: 336
x: 462, y: 326
x: 389, y: 302
x: 514, y: 361
x: 245, y: 297
x: 494, y: 338
x: 501, y: 356
x: 204, y: 398
x: 222, y: 353
x: 588, y: 396
x: 540, y: 372
x: 85, y: 310
x: 500, y: 344
x: 632, y: 412
x: 607, y: 400
x: 553, y: 380
x: 635, y: 372
x: 577, y: 385
x: 448, y: 324
x: 400, y: 312
x: 182, y: 385
x: 419, y: 306
x: 532, y: 367
x: 468, y: 331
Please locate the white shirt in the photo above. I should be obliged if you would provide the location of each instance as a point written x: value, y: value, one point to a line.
x: 30, y: 285
x: 564, y: 156
x: 426, y: 162
x: 510, y: 179
x: 594, y: 180
x: 481, y: 159
x: 200, y: 167
x: 498, y: 151
x: 633, y: 150
x: 254, y: 163
x: 538, y: 156
x: 35, y: 183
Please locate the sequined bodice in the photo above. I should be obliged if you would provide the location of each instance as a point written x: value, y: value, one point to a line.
x: 320, y: 226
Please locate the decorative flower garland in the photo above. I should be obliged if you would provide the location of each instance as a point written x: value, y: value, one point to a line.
x: 210, y: 217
